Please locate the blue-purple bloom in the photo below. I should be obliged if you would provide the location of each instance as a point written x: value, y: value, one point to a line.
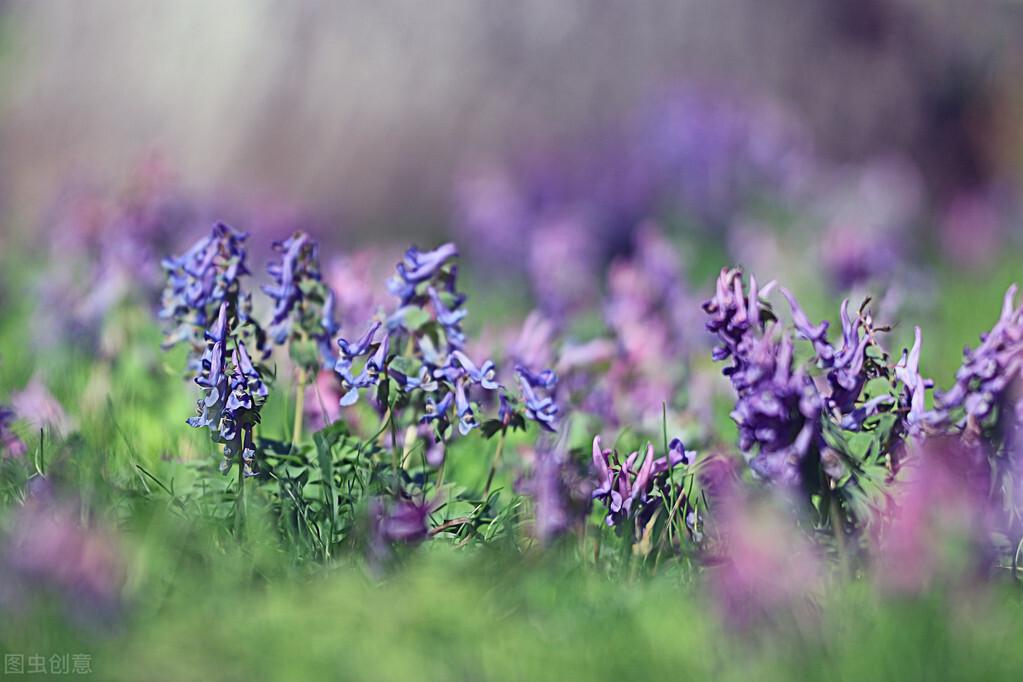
x: 371, y: 374
x: 303, y: 304
x: 418, y: 267
x: 988, y: 382
x: 232, y: 395
x: 778, y: 408
x: 537, y: 396
x: 204, y: 298
x: 199, y: 281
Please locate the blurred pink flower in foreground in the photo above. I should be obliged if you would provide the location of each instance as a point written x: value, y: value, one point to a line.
x: 938, y: 520
x: 50, y: 551
x: 768, y: 571
x: 36, y: 405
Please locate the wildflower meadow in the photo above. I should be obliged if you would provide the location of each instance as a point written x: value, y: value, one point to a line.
x: 693, y: 393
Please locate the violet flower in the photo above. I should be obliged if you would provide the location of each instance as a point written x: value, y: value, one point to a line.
x: 38, y: 406
x: 625, y: 488
x: 10, y: 444
x: 778, y: 408
x: 987, y: 383
x: 303, y: 304
x: 416, y: 268
x: 537, y: 396
x: 561, y: 496
x: 202, y: 279
x: 371, y: 374
x: 204, y: 297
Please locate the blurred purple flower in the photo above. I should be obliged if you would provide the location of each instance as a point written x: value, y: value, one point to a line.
x: 300, y: 297
x: 37, y: 406
x: 939, y: 503
x: 560, y: 494
x: 10, y: 444
x: 537, y: 395
x: 49, y: 551
x: 764, y: 571
x: 416, y: 268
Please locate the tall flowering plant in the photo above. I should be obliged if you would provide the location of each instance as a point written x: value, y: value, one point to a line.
x: 207, y: 307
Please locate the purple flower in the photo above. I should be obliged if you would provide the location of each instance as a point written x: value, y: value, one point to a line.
x: 485, y: 376
x: 372, y: 371
x: 733, y: 314
x: 232, y: 395
x: 918, y: 418
x: 778, y: 409
x: 199, y: 282
x: 301, y: 299
x: 846, y: 376
x: 10, y: 444
x: 37, y: 406
x: 418, y: 267
x: 536, y: 395
x: 205, y: 299
x: 404, y: 521
x: 450, y: 318
x: 466, y: 416
x: 624, y: 488
x: 561, y: 496
x: 438, y: 411
x: 987, y: 384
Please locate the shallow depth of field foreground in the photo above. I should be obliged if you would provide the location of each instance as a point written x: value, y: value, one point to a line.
x: 531, y: 342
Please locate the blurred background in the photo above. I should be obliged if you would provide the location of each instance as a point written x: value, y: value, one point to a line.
x: 876, y: 141
x: 366, y: 112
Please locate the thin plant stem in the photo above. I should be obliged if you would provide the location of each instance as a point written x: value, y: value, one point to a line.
x: 296, y: 431
x: 395, y: 463
x: 239, y: 512
x: 494, y: 462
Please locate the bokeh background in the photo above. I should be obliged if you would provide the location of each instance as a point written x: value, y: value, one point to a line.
x: 364, y: 114
x: 848, y: 143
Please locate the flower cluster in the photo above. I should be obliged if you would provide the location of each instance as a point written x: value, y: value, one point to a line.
x: 647, y: 311
x: 987, y: 385
x: 780, y: 409
x: 405, y: 521
x: 626, y: 487
x: 199, y: 281
x: 208, y: 277
x: 303, y: 304
x: 419, y: 349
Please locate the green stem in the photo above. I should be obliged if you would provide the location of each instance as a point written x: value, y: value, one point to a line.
x: 395, y: 464
x: 839, y: 532
x: 494, y: 462
x: 296, y: 431
x: 239, y: 511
